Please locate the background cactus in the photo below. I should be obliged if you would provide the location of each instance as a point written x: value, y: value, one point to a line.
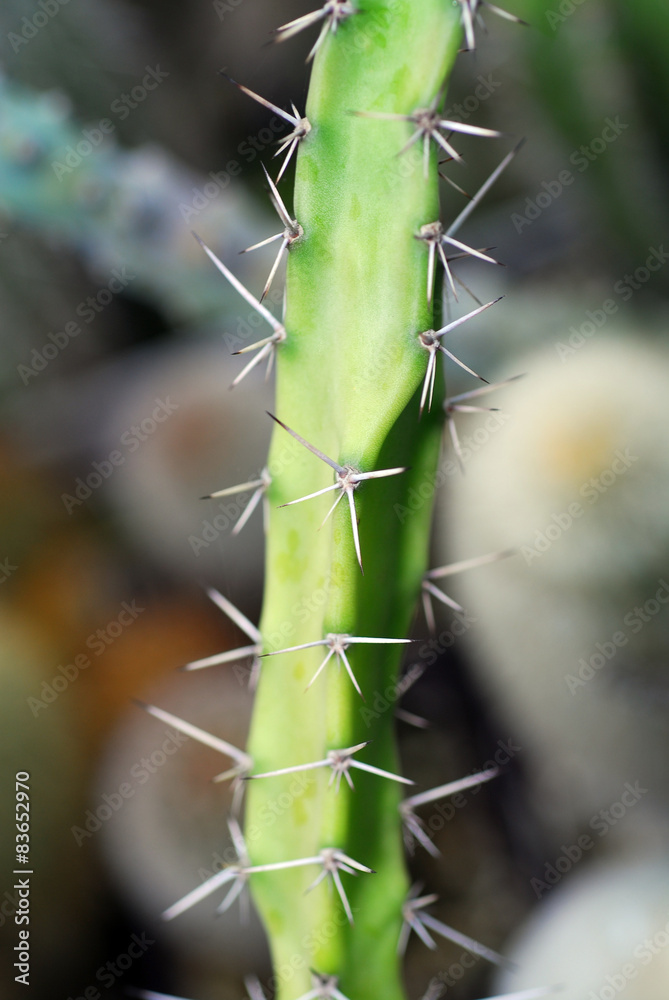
x: 145, y: 535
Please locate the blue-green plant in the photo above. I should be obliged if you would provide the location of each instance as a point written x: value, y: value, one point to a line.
x: 357, y: 431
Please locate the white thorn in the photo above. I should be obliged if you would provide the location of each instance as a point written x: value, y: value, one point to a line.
x: 483, y: 190
x: 443, y: 791
x: 201, y: 892
x: 238, y: 286
x: 198, y: 734
x: 234, y: 614
x: 219, y: 658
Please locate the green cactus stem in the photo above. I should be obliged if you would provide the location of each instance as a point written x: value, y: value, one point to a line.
x: 349, y: 376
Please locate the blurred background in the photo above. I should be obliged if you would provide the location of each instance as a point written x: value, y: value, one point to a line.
x: 118, y: 136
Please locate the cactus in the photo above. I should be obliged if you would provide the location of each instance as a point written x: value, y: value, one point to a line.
x: 358, y: 429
